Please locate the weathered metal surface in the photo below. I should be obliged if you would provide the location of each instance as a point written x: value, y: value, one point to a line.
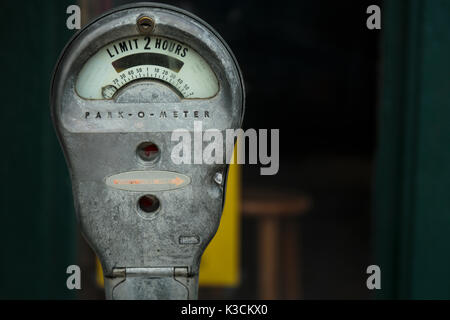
x: 96, y: 149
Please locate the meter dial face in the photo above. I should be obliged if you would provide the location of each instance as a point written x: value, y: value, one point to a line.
x: 146, y: 58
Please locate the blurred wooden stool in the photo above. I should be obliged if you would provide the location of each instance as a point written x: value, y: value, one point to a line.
x: 275, y: 212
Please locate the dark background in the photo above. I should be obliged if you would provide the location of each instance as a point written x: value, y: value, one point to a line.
x: 363, y: 119
x: 364, y: 128
x: 310, y: 70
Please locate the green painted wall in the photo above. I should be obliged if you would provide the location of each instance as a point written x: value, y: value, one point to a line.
x: 412, y: 198
x: 37, y: 221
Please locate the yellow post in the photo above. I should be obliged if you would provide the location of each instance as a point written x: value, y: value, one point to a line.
x: 220, y: 263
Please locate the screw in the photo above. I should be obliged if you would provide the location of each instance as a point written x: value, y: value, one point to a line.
x: 218, y: 178
x: 108, y: 91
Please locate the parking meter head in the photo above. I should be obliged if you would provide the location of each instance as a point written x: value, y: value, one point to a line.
x: 121, y: 88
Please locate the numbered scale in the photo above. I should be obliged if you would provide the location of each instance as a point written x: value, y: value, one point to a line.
x: 146, y: 58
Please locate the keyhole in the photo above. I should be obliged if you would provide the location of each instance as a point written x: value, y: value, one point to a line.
x: 145, y: 24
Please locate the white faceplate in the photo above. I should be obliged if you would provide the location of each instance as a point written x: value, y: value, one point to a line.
x: 146, y: 58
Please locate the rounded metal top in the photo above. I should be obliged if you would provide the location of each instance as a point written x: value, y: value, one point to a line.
x: 159, y: 19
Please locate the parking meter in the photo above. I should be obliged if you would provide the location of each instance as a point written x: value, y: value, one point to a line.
x: 122, y: 85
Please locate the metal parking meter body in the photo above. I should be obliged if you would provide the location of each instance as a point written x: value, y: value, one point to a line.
x: 121, y: 86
